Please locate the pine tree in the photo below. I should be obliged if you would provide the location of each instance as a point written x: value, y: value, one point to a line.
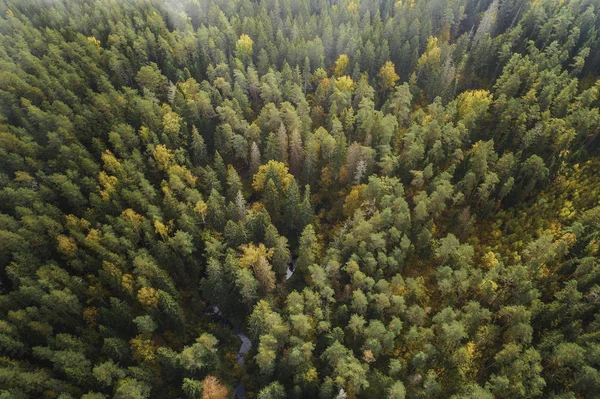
x: 308, y: 250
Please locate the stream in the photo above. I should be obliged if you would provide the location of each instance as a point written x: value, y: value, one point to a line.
x: 289, y: 272
x: 213, y: 310
x: 240, y: 389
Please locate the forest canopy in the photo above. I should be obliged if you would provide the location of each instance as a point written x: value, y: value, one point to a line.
x: 276, y: 199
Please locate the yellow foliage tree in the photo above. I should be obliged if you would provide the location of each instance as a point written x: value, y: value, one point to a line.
x: 90, y: 315
x: 257, y: 257
x: 368, y: 356
x: 144, y: 134
x: 251, y: 254
x: 112, y: 271
x: 163, y: 156
x: 388, y: 76
x: 345, y: 83
x: 190, y: 89
x: 353, y: 7
x: 171, y: 122
x: 489, y: 260
x: 94, y: 41
x: 264, y: 274
x: 107, y: 186
x: 73, y: 222
x: 144, y: 350
x: 473, y: 102
x: 148, y: 296
x: 183, y: 174
x: 162, y: 229
x: 132, y: 217
x: 354, y: 200
x: 24, y: 178
x: 340, y: 65
x: 273, y: 169
x: 243, y: 47
x: 92, y: 240
x: 127, y: 283
x: 66, y: 245
x: 111, y: 163
x: 311, y: 375
x: 212, y: 389
x: 201, y: 208
x: 432, y: 53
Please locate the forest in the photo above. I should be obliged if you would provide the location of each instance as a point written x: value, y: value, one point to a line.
x: 271, y: 199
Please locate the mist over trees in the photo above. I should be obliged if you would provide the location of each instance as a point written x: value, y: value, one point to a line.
x: 387, y: 198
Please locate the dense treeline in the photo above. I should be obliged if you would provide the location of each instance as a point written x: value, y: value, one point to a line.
x: 426, y: 168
